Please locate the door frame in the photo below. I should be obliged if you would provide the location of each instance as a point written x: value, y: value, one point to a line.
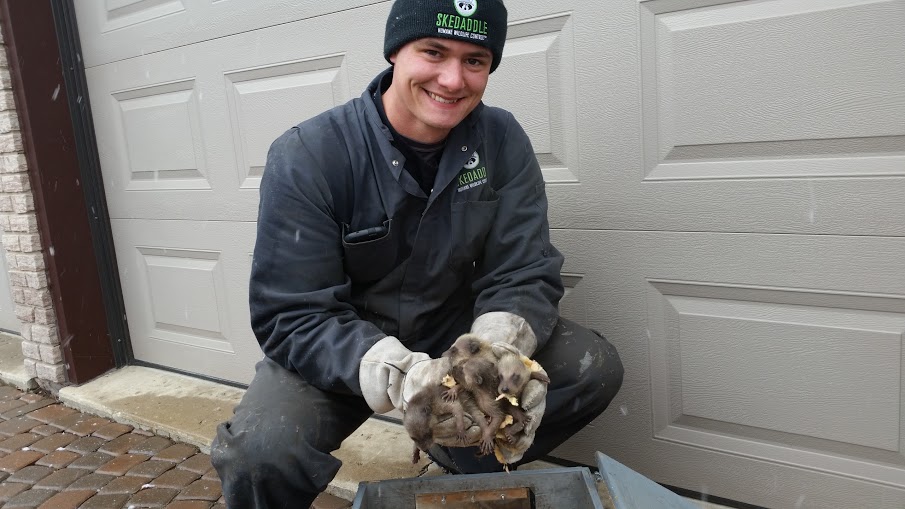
x: 67, y: 184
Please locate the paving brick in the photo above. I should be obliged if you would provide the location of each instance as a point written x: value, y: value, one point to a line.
x: 7, y: 405
x: 175, y: 479
x: 61, y: 479
x: 17, y: 442
x: 112, y: 430
x: 7, y: 392
x: 142, y: 432
x: 58, y: 459
x: 44, y: 430
x: 152, y: 445
x: 87, y: 426
x: 152, y: 497
x: 150, y: 469
x: 199, y: 463
x: 91, y: 461
x: 211, y: 475
x: 30, y: 397
x: 22, y: 410
x: 70, y: 420
x: 18, y: 460
x: 121, y: 464
x: 17, y: 425
x: 85, y: 445
x: 3, y: 475
x: 127, y: 485
x: 218, y: 506
x: 122, y: 444
x: 51, y: 413
x: 53, y: 442
x: 189, y: 504
x: 177, y: 453
x: 67, y: 500
x: 105, y: 501
x: 201, y: 490
x: 91, y: 481
x: 31, y: 474
x: 327, y: 501
x: 29, y: 499
x: 10, y: 490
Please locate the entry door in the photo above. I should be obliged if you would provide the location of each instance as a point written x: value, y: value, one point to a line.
x: 733, y: 221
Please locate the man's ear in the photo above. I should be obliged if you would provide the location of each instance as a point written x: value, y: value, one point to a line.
x: 393, y: 57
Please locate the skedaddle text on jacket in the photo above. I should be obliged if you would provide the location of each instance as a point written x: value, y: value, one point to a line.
x: 472, y: 178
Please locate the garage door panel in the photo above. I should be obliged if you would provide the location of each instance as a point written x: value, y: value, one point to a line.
x: 166, y: 115
x: 789, y: 359
x: 755, y: 117
x: 115, y: 30
x: 723, y: 82
x: 216, y: 106
x: 538, y: 64
x: 186, y: 292
x: 264, y: 101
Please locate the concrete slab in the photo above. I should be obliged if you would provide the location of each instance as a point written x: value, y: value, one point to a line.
x: 169, y: 404
x: 188, y: 409
x: 12, y: 369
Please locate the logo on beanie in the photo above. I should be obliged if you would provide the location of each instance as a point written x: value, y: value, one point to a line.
x: 466, y: 7
x: 463, y: 25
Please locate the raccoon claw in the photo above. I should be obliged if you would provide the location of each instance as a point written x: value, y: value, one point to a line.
x: 450, y: 395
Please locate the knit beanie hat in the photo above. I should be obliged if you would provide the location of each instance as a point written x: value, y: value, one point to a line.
x: 481, y: 22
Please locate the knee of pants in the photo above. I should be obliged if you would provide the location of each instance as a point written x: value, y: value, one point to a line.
x: 272, y: 452
x: 600, y: 371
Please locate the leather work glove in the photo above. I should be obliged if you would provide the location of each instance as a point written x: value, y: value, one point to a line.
x: 510, y: 332
x: 390, y: 374
x: 533, y: 400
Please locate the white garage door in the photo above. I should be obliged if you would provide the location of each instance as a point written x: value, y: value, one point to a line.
x: 726, y: 181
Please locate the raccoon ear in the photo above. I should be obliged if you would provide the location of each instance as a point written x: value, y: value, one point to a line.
x: 475, y: 347
x: 478, y: 380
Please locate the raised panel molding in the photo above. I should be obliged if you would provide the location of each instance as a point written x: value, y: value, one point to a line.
x: 538, y: 65
x: 777, y: 374
x: 124, y: 13
x: 266, y: 101
x: 163, y: 145
x: 772, y: 89
x: 186, y: 295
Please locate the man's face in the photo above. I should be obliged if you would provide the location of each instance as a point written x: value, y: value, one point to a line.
x: 436, y: 83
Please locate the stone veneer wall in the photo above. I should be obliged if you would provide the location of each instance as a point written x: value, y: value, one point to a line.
x: 23, y: 246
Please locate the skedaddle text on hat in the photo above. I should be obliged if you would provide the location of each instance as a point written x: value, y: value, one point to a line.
x: 451, y: 24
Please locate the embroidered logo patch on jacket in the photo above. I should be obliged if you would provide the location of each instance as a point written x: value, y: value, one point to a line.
x: 472, y: 175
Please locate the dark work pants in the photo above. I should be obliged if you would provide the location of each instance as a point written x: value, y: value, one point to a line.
x: 276, y: 448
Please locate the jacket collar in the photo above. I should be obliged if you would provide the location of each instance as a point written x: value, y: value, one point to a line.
x: 463, y: 140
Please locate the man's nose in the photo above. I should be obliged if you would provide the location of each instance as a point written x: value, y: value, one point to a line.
x: 452, y: 76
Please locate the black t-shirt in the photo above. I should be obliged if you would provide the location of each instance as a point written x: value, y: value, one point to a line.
x: 422, y: 159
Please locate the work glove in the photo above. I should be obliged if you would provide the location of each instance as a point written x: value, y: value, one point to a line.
x: 512, y: 333
x: 390, y: 374
x: 534, y: 401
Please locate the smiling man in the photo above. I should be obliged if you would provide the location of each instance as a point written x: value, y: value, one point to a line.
x: 388, y: 227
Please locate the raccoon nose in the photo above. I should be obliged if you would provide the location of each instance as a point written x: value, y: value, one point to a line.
x: 504, y: 388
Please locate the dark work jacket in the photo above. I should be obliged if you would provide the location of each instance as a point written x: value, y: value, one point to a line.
x: 479, y: 243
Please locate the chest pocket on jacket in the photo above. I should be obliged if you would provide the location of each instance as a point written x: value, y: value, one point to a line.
x: 471, y: 221
x: 371, y: 257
